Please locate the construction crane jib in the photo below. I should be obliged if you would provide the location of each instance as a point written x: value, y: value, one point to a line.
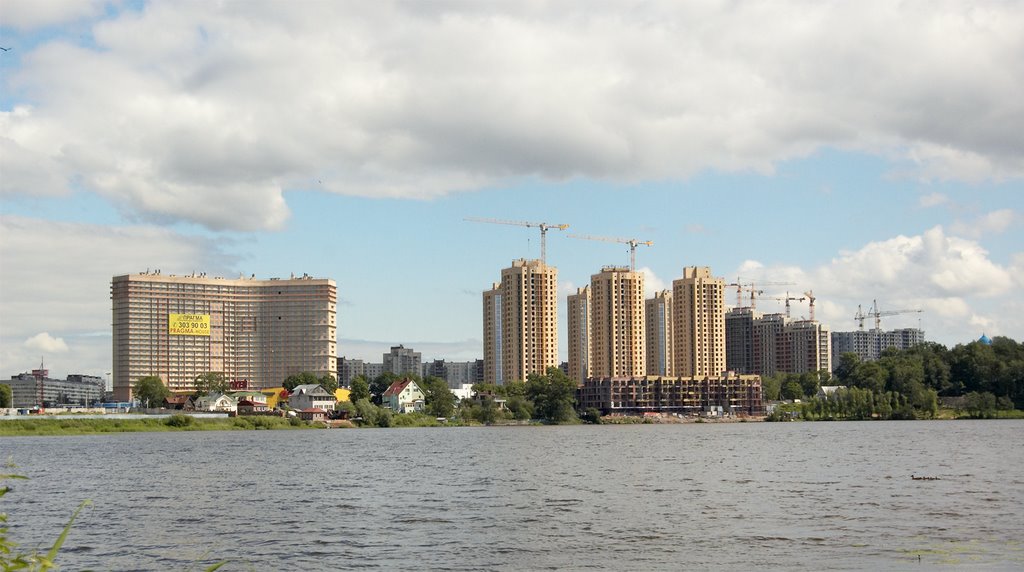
x: 543, y: 226
x: 877, y: 314
x: 632, y: 242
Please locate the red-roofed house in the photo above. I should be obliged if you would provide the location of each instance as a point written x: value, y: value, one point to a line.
x: 403, y: 396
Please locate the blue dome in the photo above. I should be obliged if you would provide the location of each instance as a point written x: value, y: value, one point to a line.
x: 985, y: 340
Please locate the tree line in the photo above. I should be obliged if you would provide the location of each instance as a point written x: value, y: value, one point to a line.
x: 549, y: 397
x: 908, y: 383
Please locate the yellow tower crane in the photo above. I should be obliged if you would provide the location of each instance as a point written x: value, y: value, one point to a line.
x: 543, y: 226
x: 632, y: 242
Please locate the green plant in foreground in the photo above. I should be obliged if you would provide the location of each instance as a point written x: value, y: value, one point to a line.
x: 11, y: 559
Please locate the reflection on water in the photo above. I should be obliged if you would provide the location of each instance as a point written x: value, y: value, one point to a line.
x: 797, y: 495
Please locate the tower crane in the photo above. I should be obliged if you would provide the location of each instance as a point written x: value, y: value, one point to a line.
x: 632, y: 242
x: 754, y: 292
x: 860, y: 315
x: 785, y: 298
x: 810, y: 297
x: 543, y: 226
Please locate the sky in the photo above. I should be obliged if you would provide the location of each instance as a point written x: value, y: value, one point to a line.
x: 865, y: 151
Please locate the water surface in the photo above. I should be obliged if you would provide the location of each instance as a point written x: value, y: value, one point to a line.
x: 650, y: 497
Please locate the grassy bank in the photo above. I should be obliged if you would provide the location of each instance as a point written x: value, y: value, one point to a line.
x: 58, y: 426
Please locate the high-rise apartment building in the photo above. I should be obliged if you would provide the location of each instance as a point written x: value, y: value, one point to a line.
x: 805, y: 347
x: 403, y: 361
x: 739, y: 340
x: 767, y: 332
x: 766, y: 344
x: 493, y: 334
x: 869, y: 344
x: 578, y: 324
x: 256, y: 331
x: 617, y: 332
x: 698, y: 323
x: 658, y: 311
x: 521, y: 322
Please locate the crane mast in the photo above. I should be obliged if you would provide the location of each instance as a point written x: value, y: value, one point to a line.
x: 632, y: 242
x: 543, y: 226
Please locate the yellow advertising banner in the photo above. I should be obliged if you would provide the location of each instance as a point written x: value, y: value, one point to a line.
x: 188, y: 324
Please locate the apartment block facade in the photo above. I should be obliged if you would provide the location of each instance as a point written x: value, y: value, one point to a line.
x: 698, y: 322
x: 617, y: 325
x: 521, y: 322
x: 578, y: 325
x: 689, y: 395
x: 658, y: 321
x: 869, y: 344
x: 767, y: 344
x: 258, y: 331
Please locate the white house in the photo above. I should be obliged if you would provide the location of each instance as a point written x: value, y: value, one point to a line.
x: 404, y: 396
x: 217, y: 402
x: 311, y: 397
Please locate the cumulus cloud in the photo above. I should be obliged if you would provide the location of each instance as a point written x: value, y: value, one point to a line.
x: 56, y: 276
x: 932, y: 200
x: 44, y: 342
x: 994, y: 222
x: 30, y: 14
x: 207, y: 112
x: 952, y: 279
x: 653, y: 284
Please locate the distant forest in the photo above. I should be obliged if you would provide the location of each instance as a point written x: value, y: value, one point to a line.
x: 990, y: 376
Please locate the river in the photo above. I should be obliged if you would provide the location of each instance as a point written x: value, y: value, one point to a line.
x: 824, y: 496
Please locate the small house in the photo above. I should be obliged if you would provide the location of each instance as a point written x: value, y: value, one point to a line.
x: 217, y: 402
x: 313, y: 414
x: 311, y: 396
x: 247, y: 407
x: 404, y: 396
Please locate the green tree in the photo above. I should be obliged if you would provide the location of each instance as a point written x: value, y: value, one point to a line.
x: 379, y: 385
x: 792, y: 390
x: 207, y: 383
x: 553, y: 395
x: 151, y: 391
x: 360, y: 389
x: 520, y: 407
x: 869, y: 375
x: 771, y: 387
x: 328, y: 382
x: 438, y: 399
x: 847, y: 365
x: 809, y: 383
x: 980, y: 405
x: 6, y: 396
x: 304, y: 378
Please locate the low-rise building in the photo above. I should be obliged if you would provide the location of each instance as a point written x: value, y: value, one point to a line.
x: 404, y: 396
x: 250, y: 407
x: 217, y: 402
x: 737, y: 394
x: 30, y: 390
x: 311, y: 396
x: 313, y: 414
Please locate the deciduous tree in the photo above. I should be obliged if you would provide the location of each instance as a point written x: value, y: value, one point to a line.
x: 150, y: 390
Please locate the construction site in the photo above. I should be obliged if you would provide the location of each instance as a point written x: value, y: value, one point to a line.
x: 729, y: 393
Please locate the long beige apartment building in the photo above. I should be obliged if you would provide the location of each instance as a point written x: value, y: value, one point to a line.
x: 521, y: 322
x: 617, y: 329
x: 698, y: 323
x: 255, y: 332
